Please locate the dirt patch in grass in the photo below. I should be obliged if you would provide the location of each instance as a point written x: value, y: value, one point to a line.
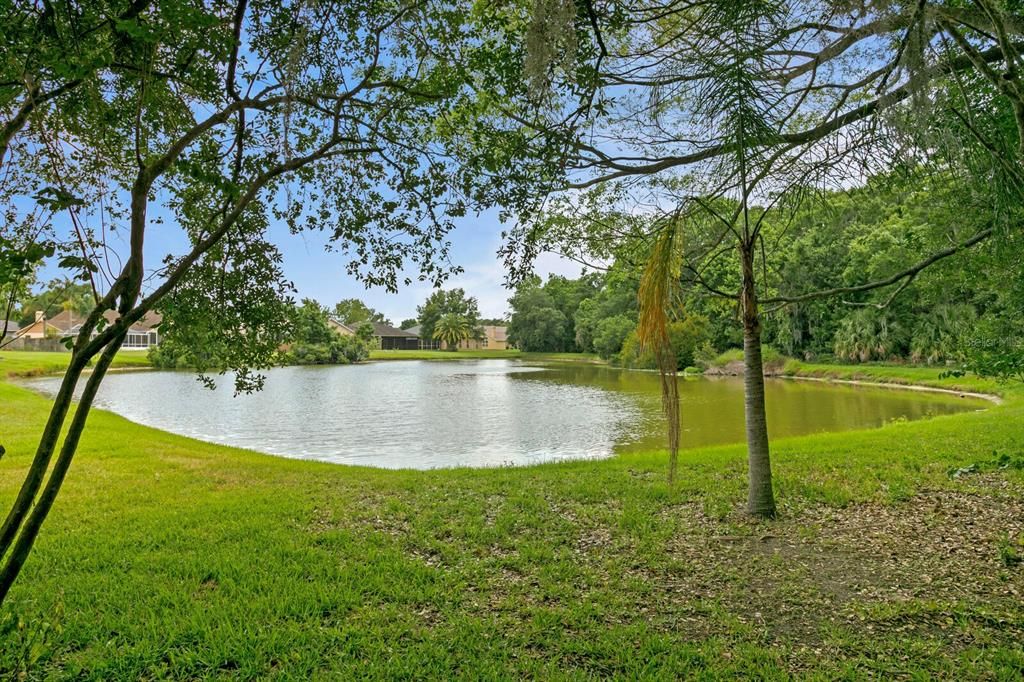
x: 925, y: 565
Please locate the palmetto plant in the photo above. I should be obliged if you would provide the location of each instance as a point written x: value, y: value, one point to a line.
x: 870, y: 334
x: 451, y: 329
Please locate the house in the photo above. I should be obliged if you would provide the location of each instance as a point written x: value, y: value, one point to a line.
x: 492, y: 338
x: 141, y: 335
x: 11, y: 326
x: 43, y: 328
x: 385, y: 336
x: 424, y: 344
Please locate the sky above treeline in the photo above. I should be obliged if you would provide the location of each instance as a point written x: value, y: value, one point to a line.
x: 320, y: 274
x: 475, y: 241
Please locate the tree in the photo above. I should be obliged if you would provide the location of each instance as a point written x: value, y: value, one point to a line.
x: 59, y: 295
x: 543, y: 314
x: 616, y: 297
x: 611, y: 333
x: 313, y: 342
x: 352, y: 311
x: 452, y: 329
x: 686, y: 336
x: 451, y: 302
x: 19, y: 259
x: 409, y: 323
x: 710, y: 115
x: 537, y: 329
x: 536, y: 324
x: 226, y: 116
x: 994, y: 346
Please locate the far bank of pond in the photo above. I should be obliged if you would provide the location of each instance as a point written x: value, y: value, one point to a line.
x: 420, y: 414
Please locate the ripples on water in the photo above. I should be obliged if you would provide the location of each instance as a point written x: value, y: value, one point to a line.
x: 479, y: 413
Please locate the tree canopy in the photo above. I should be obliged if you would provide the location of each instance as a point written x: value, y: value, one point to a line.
x: 448, y: 302
x: 216, y: 120
x: 352, y: 311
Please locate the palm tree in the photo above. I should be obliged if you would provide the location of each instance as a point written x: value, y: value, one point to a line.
x: 451, y: 329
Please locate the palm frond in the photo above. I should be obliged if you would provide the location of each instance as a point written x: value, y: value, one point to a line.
x: 659, y: 289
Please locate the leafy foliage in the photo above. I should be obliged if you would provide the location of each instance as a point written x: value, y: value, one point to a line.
x: 685, y: 337
x: 219, y: 119
x: 352, y: 311
x: 451, y: 329
x: 544, y: 313
x: 453, y: 302
x: 314, y: 342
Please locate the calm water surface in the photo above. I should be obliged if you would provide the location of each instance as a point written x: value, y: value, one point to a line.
x: 484, y: 413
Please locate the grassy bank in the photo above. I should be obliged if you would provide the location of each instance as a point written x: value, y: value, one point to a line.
x: 17, y: 363
x: 30, y: 363
x: 169, y: 558
x: 511, y: 354
x: 906, y: 375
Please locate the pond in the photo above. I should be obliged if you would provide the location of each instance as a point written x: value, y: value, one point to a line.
x: 422, y: 414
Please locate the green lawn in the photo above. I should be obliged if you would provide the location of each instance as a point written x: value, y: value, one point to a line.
x: 169, y: 558
x: 892, y: 374
x: 481, y: 354
x: 15, y: 363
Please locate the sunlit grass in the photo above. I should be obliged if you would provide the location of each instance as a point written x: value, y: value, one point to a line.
x: 32, y: 363
x: 939, y: 377
x: 511, y: 354
x: 170, y: 558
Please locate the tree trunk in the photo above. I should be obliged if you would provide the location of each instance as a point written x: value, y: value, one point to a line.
x: 47, y: 444
x: 760, y: 498
x: 30, y: 530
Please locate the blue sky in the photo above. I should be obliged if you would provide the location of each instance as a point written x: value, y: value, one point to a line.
x: 320, y: 274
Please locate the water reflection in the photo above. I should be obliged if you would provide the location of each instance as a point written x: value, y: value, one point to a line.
x: 484, y: 413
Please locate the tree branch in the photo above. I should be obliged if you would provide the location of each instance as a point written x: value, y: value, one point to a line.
x: 882, y: 283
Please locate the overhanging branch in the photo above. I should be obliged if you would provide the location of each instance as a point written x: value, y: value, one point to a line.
x: 908, y: 274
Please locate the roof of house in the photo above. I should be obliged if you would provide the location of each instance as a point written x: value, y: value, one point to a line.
x: 69, y: 321
x: 12, y: 326
x: 65, y: 320
x: 415, y: 330
x: 379, y: 329
x: 147, y: 323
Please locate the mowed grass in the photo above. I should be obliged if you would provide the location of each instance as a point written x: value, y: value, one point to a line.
x: 34, y: 363
x: 510, y: 354
x: 169, y: 558
x: 936, y: 377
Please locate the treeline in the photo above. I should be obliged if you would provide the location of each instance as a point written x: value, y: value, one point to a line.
x: 310, y: 334
x: 953, y: 309
x: 596, y: 313
x: 307, y: 339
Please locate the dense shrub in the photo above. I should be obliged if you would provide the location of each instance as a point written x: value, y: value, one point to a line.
x: 610, y: 334
x: 939, y: 335
x: 173, y: 353
x: 686, y: 336
x: 314, y: 342
x: 340, y: 350
x: 871, y: 334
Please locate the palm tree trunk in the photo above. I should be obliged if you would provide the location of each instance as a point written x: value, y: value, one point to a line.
x: 760, y: 499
